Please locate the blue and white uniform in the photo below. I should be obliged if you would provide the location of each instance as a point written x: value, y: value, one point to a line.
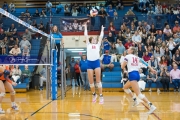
x: 93, y: 55
x: 133, y: 66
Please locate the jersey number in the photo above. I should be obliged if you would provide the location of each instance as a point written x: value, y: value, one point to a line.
x: 135, y: 60
x: 93, y: 47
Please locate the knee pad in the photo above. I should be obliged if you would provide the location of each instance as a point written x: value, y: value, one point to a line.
x: 141, y: 96
x: 91, y: 85
x: 127, y: 91
x: 2, y: 94
x: 13, y: 93
x: 99, y: 85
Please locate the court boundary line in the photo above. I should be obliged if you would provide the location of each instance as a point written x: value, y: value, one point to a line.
x: 42, y: 107
x: 37, y: 111
x: 152, y: 113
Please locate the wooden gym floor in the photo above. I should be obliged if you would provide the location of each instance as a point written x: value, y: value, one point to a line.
x: 78, y: 106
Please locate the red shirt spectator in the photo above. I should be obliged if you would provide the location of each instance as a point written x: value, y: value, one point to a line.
x: 176, y: 28
x: 76, y: 67
x: 128, y: 44
x: 146, y: 57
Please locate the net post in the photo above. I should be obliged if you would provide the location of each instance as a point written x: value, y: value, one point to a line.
x: 62, y: 73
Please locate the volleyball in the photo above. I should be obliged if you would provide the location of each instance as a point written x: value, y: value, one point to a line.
x: 93, y: 12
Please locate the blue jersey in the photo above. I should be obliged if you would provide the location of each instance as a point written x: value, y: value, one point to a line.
x: 57, y: 35
x: 106, y: 45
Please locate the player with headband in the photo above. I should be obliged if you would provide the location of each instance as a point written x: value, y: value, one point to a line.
x: 5, y: 82
x: 93, y: 63
x: 132, y: 62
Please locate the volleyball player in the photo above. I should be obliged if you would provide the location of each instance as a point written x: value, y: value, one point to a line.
x: 5, y: 82
x: 132, y: 62
x: 93, y: 63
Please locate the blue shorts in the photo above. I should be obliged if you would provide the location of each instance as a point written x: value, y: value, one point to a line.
x: 134, y: 75
x: 93, y: 64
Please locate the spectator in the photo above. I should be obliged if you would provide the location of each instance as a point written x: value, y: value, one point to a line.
x: 150, y: 21
x: 167, y: 30
x: 157, y: 53
x: 176, y: 39
x: 151, y: 77
x: 25, y: 51
x: 128, y: 44
x: 146, y: 57
x: 77, y: 71
x: 164, y: 8
x: 136, y: 38
x: 141, y: 50
x: 2, y: 34
x: 110, y: 12
x: 93, y: 20
x: 72, y: 70
x: 153, y: 29
x: 5, y: 6
x: 160, y: 35
x: 43, y: 78
x: 16, y: 74
x: 163, y: 47
x: 120, y: 50
x: 48, y: 6
x: 74, y: 12
x: 24, y: 43
x: 106, y: 61
x: 10, y: 30
x: 108, y: 3
x: 150, y: 11
x: 43, y: 13
x: 119, y: 5
x: 15, y: 36
x: 27, y: 34
x: 158, y: 10
x: 113, y: 52
x: 59, y: 7
x: 67, y: 11
x: 26, y: 74
x: 176, y: 28
x: 144, y: 10
x: 127, y: 34
x: 36, y: 14
x: 102, y: 17
x: 83, y: 72
x: 11, y: 43
x: 42, y: 28
x: 106, y: 45
x: 175, y: 77
x: 15, y: 51
x: 163, y: 62
x: 126, y: 20
x: 111, y: 38
x: 144, y: 36
x: 147, y: 27
x: 168, y: 55
x: 171, y: 45
x: 3, y: 45
x: 121, y: 38
x: 176, y: 57
x: 164, y: 78
x: 153, y: 62
x: 112, y: 29
x: 132, y: 29
x: 12, y: 7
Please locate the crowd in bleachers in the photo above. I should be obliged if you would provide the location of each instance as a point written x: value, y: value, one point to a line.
x: 157, y: 42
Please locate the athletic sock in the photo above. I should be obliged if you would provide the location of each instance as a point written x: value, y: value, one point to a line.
x: 149, y: 103
x: 101, y: 95
x: 13, y: 103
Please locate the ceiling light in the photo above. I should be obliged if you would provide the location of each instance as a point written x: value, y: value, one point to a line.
x: 78, y: 51
x: 75, y: 49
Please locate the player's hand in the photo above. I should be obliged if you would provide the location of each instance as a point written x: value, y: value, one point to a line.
x: 14, y: 84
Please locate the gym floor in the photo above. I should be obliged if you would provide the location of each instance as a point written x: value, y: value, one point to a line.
x: 77, y: 105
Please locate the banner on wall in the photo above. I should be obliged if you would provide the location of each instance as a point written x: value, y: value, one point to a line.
x: 73, y: 24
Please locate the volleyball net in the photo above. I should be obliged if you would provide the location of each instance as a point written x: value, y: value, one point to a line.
x: 36, y: 48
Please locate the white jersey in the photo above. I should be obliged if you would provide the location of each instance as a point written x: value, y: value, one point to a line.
x: 132, y: 62
x: 93, y: 51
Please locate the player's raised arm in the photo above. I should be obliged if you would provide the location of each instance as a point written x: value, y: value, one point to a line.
x: 145, y: 63
x: 101, y: 34
x: 86, y: 33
